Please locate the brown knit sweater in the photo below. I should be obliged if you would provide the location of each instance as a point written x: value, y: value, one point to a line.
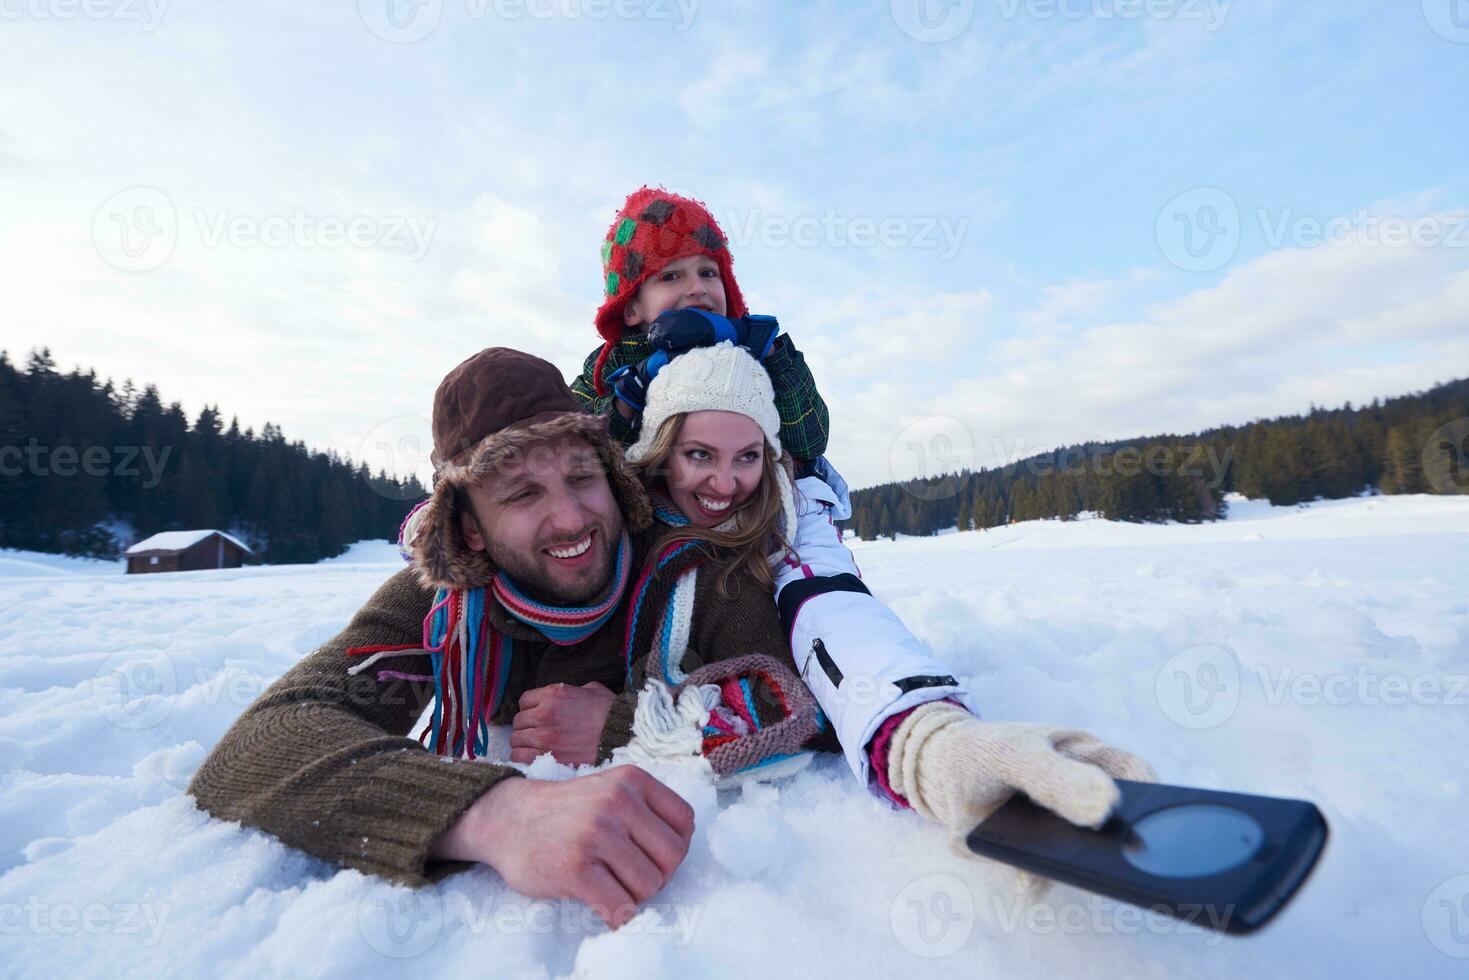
x: 321, y: 760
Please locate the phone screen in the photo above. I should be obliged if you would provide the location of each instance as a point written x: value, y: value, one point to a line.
x: 1192, y: 840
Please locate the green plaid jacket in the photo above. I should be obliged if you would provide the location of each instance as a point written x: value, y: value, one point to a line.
x: 804, y: 422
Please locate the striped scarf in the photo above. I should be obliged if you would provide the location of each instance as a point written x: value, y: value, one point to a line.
x: 471, y: 659
x: 465, y: 650
x: 732, y: 736
x: 670, y: 634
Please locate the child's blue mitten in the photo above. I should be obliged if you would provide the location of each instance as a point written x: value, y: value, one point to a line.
x: 676, y: 331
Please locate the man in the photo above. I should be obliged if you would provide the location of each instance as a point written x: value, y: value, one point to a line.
x: 527, y: 485
x: 519, y: 597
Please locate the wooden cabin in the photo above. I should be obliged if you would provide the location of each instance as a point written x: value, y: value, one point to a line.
x: 187, y: 551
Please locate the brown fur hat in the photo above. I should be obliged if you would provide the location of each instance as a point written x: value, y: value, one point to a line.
x: 487, y: 410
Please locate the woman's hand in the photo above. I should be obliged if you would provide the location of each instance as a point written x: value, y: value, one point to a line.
x: 957, y: 769
x: 563, y: 720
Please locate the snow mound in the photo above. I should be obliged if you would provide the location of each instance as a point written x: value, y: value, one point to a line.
x: 32, y: 564
x: 369, y: 553
x: 1318, y: 652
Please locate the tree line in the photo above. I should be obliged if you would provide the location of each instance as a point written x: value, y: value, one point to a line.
x: 88, y: 468
x: 1418, y: 443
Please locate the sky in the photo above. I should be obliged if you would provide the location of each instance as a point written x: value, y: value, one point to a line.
x: 992, y: 226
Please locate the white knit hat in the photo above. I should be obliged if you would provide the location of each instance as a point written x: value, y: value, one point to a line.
x: 722, y: 378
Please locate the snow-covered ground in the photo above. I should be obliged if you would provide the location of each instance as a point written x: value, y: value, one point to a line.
x: 1319, y: 652
x: 29, y: 564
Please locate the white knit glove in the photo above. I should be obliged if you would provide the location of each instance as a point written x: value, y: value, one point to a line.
x: 958, y: 770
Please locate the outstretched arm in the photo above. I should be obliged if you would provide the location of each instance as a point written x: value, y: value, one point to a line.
x: 321, y: 760
x: 854, y: 653
x: 909, y: 729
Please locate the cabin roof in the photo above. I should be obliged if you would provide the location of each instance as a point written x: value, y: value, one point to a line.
x: 182, y: 541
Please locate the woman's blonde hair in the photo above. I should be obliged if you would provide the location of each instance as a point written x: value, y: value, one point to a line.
x: 757, y: 533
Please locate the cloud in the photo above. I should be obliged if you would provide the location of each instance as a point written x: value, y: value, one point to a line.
x: 1323, y: 325
x: 519, y: 139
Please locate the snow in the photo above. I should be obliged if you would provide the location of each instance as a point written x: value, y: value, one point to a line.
x: 29, y: 564
x: 368, y: 553
x: 181, y: 540
x: 1334, y: 639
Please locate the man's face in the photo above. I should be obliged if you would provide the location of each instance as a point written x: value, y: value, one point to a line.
x: 547, y: 516
x: 692, y: 281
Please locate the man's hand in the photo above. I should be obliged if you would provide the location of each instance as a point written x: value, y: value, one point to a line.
x: 563, y: 720
x: 612, y: 839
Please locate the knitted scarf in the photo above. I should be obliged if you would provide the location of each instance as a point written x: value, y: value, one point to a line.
x: 466, y: 651
x: 471, y: 659
x: 717, y: 700
x: 668, y: 640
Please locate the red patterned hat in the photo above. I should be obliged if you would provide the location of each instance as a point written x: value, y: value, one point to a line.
x: 654, y: 228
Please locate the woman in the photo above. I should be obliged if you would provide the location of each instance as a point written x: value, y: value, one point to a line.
x: 709, y: 453
x: 725, y: 509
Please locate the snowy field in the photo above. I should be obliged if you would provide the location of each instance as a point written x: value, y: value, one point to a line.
x: 1319, y: 652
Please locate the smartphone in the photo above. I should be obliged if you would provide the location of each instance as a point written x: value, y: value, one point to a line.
x: 1227, y: 861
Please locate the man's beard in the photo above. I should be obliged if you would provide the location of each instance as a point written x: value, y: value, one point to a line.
x: 532, y: 573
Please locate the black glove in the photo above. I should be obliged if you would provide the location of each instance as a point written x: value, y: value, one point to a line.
x: 679, y: 330
x: 757, y: 334
x: 630, y: 382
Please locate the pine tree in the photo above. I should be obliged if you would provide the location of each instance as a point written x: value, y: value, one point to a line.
x: 885, y: 527
x: 1022, y: 507
x: 1402, y: 464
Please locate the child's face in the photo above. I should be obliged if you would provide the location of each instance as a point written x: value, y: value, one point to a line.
x: 692, y: 281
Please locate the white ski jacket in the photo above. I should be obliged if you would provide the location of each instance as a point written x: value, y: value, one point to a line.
x: 854, y: 653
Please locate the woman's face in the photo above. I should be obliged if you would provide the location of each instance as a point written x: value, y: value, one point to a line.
x: 715, y: 465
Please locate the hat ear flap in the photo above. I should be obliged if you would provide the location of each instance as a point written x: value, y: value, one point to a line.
x: 637, y: 510
x: 441, y: 557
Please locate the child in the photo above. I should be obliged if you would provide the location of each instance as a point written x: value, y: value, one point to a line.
x: 665, y: 252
